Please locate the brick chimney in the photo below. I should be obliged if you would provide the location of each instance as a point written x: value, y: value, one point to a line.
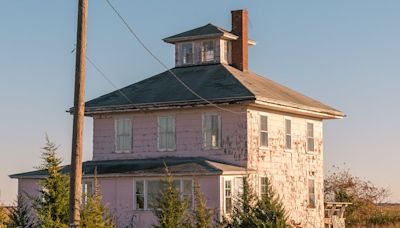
x: 240, y: 46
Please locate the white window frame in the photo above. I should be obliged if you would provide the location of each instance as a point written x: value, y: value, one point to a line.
x: 309, y: 138
x: 84, y: 194
x: 219, y: 133
x: 183, y: 53
x: 145, y: 191
x: 116, y: 146
x: 204, y: 53
x: 173, y: 132
x: 231, y: 194
x: 263, y: 131
x: 286, y: 134
x: 309, y: 205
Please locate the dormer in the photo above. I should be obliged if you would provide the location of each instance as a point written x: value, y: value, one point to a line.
x: 211, y: 44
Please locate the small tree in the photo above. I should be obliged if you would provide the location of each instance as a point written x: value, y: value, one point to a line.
x: 270, y: 210
x: 202, y: 217
x: 3, y: 217
x: 94, y: 214
x: 171, y: 210
x: 22, y: 214
x: 52, y: 206
x: 251, y: 211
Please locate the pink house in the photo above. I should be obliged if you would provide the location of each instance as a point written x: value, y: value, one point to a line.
x: 235, y: 123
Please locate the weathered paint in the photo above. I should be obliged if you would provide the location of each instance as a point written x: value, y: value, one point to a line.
x: 189, y: 139
x: 289, y: 171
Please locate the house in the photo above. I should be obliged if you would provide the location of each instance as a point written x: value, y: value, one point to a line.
x: 233, y: 123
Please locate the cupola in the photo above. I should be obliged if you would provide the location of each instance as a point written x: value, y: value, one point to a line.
x: 211, y: 44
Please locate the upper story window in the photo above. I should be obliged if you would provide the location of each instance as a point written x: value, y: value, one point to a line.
x: 211, y: 130
x: 187, y: 53
x: 207, y: 51
x: 166, y: 133
x: 310, y: 137
x: 263, y: 131
x: 288, y: 134
x: 123, y: 135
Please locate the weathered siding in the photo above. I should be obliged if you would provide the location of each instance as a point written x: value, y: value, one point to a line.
x: 289, y: 170
x: 189, y: 138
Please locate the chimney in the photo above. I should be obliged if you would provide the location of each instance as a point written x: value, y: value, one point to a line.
x: 240, y: 46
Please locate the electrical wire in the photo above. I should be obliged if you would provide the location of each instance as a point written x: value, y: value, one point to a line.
x: 132, y: 32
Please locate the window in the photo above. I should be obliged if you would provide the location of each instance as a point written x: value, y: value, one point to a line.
x: 148, y: 192
x: 187, y: 53
x: 123, y: 135
x: 310, y: 136
x: 207, y: 51
x: 211, y: 130
x: 263, y: 186
x: 263, y: 131
x: 87, y: 190
x: 228, y: 196
x: 288, y: 134
x: 139, y: 195
x: 166, y: 133
x: 311, y: 193
x: 225, y: 55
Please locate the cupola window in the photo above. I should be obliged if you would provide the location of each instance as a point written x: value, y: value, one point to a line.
x: 207, y: 51
x: 187, y: 53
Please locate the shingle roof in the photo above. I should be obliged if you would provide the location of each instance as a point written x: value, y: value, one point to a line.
x: 217, y: 83
x: 148, y: 167
x: 206, y: 31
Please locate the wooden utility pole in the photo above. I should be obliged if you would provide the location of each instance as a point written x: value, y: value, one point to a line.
x: 79, y: 109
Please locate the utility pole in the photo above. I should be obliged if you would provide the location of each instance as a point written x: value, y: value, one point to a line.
x: 79, y: 109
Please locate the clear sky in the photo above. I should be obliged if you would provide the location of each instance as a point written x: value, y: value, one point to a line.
x: 343, y: 53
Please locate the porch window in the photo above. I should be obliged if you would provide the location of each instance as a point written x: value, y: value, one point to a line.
x: 310, y: 137
x: 288, y: 134
x: 148, y: 192
x: 87, y: 190
x: 211, y: 131
x: 263, y: 131
x: 123, y: 135
x: 166, y: 133
x: 228, y: 196
x: 311, y: 193
x: 187, y: 53
x: 207, y: 51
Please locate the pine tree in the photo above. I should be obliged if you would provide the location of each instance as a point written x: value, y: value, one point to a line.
x: 22, y: 214
x: 249, y: 210
x: 270, y: 209
x: 171, y: 210
x: 202, y: 217
x: 94, y: 214
x: 52, y: 206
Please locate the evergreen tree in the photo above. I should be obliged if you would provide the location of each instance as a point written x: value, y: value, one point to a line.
x: 270, y: 209
x: 171, y: 210
x: 52, y: 206
x: 94, y: 214
x: 250, y: 211
x: 22, y: 214
x: 202, y: 217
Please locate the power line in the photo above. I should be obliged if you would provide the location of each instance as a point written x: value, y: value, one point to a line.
x: 162, y: 63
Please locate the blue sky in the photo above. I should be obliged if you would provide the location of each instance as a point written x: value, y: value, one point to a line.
x: 344, y: 53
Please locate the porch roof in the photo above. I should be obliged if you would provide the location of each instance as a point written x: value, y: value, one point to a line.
x: 192, y: 166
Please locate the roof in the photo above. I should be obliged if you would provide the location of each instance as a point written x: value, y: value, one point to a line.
x: 203, y: 32
x: 147, y: 167
x: 217, y: 83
